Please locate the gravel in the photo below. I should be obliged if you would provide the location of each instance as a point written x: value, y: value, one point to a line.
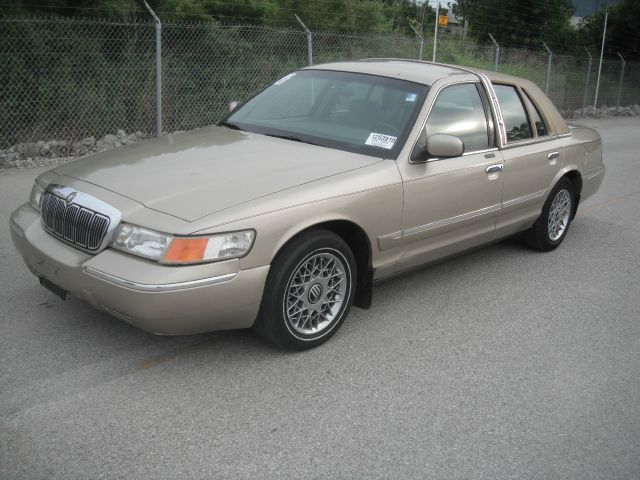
x: 57, y: 152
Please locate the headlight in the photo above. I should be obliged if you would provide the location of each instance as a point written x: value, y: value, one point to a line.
x: 140, y: 241
x: 35, y: 198
x: 182, y: 250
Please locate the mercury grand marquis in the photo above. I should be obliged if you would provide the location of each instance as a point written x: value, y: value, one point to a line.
x: 283, y: 215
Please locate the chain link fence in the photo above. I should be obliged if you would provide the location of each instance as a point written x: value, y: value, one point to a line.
x: 69, y: 79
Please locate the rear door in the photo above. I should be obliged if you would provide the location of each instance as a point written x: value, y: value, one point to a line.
x: 531, y: 160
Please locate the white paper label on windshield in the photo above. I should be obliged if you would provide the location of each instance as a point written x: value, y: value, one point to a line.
x: 285, y: 78
x: 380, y: 140
x: 411, y: 97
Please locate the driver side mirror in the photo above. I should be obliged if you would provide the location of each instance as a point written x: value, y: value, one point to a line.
x: 444, y: 146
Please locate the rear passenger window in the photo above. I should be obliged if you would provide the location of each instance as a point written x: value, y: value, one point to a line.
x: 513, y: 113
x: 541, y: 128
x: 459, y: 111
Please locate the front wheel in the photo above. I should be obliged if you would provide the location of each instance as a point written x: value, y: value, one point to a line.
x: 552, y: 226
x: 309, y: 291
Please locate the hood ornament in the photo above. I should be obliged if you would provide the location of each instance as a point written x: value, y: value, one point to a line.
x: 70, y: 198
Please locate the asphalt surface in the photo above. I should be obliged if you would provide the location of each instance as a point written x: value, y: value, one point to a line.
x: 501, y: 363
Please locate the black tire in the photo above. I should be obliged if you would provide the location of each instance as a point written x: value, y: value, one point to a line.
x: 542, y: 236
x: 282, y: 295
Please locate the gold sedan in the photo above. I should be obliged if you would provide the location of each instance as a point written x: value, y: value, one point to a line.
x: 283, y: 215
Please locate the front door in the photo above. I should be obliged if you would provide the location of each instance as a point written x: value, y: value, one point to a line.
x: 451, y: 204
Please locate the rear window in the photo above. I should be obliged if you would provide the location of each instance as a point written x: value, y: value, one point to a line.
x: 513, y: 112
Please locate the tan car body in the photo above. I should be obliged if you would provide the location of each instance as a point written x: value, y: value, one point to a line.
x: 395, y: 215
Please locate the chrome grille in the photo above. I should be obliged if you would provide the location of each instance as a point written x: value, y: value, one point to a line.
x: 76, y: 224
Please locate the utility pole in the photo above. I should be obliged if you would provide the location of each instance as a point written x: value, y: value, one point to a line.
x: 435, y: 32
x: 158, y: 70
x: 604, y: 34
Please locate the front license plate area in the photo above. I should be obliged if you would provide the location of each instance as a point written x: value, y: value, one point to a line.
x: 53, y: 288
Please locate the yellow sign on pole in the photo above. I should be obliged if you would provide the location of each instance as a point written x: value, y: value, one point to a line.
x: 442, y: 21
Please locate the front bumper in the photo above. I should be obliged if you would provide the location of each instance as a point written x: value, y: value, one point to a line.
x: 167, y: 300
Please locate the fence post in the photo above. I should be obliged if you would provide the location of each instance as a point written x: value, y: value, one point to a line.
x: 586, y: 85
x: 604, y: 34
x: 309, y: 40
x: 421, y: 41
x: 158, y: 71
x: 495, y: 67
x: 621, y: 77
x: 546, y: 88
x: 435, y: 32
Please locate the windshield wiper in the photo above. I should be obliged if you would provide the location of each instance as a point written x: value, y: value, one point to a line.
x: 293, y: 138
x: 230, y: 125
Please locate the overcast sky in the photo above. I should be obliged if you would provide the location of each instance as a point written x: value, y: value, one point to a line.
x: 585, y: 8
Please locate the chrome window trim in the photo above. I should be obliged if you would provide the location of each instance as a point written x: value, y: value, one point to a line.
x: 163, y: 287
x: 565, y: 135
x: 494, y: 105
x: 466, y: 154
x: 529, y: 141
x: 85, y: 200
x: 426, y: 118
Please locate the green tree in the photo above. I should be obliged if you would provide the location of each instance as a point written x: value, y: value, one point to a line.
x: 520, y: 23
x: 623, y: 34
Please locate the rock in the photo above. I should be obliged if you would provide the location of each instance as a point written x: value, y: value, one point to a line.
x: 56, y: 152
x: 59, y: 148
x: 84, y: 146
x: 107, y: 142
x: 79, y: 148
x: 27, y: 149
x: 8, y: 158
x: 108, y: 138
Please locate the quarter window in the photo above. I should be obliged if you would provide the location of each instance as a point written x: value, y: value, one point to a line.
x: 459, y: 111
x: 541, y: 128
x: 515, y: 117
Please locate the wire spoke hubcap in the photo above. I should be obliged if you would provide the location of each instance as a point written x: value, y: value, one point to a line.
x: 559, y: 214
x: 315, y: 293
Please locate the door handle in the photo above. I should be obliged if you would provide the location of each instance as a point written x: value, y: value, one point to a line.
x: 553, y: 155
x: 498, y: 167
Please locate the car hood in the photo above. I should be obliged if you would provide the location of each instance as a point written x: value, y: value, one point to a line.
x: 197, y: 173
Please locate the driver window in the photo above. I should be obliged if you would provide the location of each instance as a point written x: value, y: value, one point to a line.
x: 459, y: 111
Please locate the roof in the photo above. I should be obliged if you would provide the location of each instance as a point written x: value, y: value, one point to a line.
x: 411, y: 70
x: 414, y: 70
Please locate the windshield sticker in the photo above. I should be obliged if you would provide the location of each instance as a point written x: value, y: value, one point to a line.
x: 380, y: 140
x: 285, y: 78
x: 411, y: 97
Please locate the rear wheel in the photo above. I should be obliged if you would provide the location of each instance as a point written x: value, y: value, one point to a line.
x: 309, y: 291
x: 552, y: 226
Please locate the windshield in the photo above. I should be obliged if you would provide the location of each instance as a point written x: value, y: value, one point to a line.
x: 348, y: 111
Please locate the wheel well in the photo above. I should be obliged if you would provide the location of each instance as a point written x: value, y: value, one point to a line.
x: 359, y: 244
x: 576, y: 180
